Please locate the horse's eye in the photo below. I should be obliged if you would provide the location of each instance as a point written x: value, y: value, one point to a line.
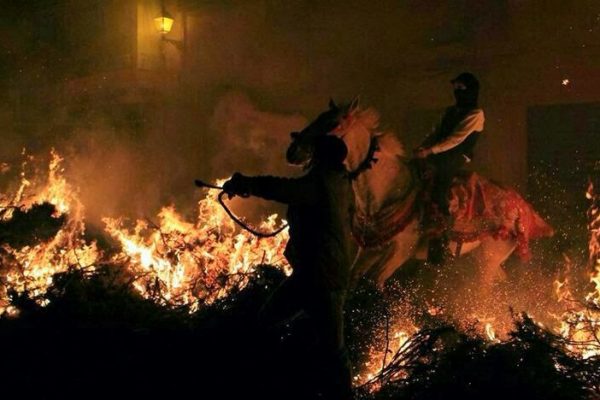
x: 295, y: 135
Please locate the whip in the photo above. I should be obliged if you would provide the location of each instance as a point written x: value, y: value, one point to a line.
x: 221, y: 199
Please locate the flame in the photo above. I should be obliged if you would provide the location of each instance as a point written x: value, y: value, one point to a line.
x: 31, y: 268
x: 7, y: 203
x: 191, y: 263
x: 174, y: 262
x: 179, y: 263
x: 489, y: 331
x: 580, y: 324
x: 379, y: 359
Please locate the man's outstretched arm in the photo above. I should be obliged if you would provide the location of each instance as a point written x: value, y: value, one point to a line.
x: 301, y: 190
x: 473, y: 122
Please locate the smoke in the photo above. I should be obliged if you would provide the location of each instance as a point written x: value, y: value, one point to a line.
x: 253, y: 142
x: 250, y: 140
x: 115, y: 176
x: 128, y: 164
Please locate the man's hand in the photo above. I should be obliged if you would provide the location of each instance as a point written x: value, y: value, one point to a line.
x: 237, y: 185
x: 422, y: 152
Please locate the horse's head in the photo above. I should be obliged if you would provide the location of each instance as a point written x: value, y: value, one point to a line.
x: 301, y: 148
x: 358, y: 127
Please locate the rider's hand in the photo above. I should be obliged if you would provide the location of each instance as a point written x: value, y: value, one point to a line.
x: 237, y: 185
x: 422, y: 152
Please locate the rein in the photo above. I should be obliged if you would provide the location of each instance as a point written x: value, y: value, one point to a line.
x: 369, y: 160
x: 221, y: 199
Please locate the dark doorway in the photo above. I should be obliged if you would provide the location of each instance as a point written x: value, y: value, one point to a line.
x: 563, y: 145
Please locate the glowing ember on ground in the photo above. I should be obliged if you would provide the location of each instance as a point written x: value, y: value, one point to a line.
x: 380, y: 357
x: 578, y: 322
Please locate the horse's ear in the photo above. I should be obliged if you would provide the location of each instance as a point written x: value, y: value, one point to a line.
x: 332, y: 105
x: 354, y: 104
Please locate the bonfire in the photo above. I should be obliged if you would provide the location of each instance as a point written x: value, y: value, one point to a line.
x: 177, y: 263
x: 172, y: 262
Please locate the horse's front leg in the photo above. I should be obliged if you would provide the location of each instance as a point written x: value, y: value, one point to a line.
x: 379, y: 263
x: 490, y: 256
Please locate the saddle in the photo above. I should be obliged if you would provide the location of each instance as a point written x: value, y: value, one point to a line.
x: 479, y: 208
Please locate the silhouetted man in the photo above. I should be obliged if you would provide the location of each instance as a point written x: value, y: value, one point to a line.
x: 319, y: 207
x: 448, y: 148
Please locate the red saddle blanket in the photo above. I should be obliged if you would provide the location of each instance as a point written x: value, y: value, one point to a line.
x: 479, y: 207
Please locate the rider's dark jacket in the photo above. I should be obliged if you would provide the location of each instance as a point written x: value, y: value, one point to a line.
x: 452, y: 144
x: 319, y: 214
x: 457, y: 133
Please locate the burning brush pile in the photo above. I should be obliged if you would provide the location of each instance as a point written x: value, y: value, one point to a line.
x: 147, y: 299
x: 173, y: 262
x: 41, y: 235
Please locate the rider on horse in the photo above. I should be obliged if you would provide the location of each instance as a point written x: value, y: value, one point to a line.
x: 446, y: 151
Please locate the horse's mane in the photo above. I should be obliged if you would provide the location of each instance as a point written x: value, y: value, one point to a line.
x: 369, y: 118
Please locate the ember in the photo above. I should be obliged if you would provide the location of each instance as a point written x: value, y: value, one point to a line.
x: 574, y: 334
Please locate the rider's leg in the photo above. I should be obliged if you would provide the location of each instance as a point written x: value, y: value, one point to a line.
x: 446, y: 166
x: 490, y: 256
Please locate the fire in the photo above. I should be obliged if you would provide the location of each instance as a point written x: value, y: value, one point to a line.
x: 489, y: 331
x: 31, y: 268
x: 174, y: 262
x: 179, y: 263
x: 380, y: 357
x: 580, y: 324
x: 55, y: 190
x: 594, y: 296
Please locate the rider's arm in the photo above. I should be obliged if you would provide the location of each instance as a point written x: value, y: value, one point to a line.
x: 430, y: 138
x: 301, y: 190
x: 473, y: 122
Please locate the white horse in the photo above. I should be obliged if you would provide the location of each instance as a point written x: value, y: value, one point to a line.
x: 386, y: 193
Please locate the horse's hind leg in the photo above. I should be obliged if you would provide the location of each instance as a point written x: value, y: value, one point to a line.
x: 489, y: 257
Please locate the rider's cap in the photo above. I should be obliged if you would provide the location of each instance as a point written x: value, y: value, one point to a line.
x: 468, y: 79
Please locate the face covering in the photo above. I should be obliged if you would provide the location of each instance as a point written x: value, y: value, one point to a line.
x: 466, y: 98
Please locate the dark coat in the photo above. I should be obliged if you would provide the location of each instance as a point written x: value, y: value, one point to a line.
x: 319, y: 213
x: 452, y: 118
